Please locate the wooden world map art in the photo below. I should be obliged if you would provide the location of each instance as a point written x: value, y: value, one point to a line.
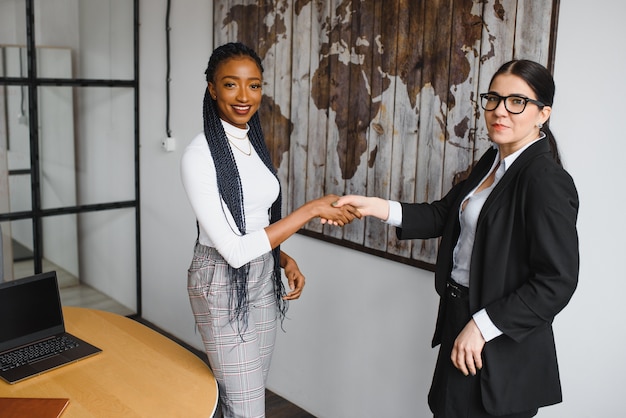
x: 380, y: 97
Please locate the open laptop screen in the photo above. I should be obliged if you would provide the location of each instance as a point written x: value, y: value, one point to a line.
x: 30, y: 309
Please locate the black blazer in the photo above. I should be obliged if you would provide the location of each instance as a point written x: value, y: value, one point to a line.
x: 524, y: 270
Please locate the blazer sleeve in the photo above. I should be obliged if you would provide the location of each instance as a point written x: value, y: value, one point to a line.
x: 549, y: 212
x: 428, y: 220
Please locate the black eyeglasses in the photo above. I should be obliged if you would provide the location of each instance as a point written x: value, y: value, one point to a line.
x: 513, y: 104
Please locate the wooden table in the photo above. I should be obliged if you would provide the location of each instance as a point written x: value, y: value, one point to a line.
x: 139, y: 373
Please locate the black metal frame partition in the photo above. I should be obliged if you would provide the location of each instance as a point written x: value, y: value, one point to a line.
x: 32, y: 82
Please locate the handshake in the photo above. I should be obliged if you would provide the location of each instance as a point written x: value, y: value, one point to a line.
x: 336, y: 210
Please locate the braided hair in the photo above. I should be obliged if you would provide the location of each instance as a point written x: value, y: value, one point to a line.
x: 229, y: 182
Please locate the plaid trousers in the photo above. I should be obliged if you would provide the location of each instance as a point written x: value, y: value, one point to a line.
x: 240, y: 358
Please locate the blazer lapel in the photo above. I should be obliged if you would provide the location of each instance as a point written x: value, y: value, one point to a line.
x: 478, y: 173
x: 538, y: 148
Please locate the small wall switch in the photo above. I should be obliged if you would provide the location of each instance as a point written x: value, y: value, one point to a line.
x: 168, y: 144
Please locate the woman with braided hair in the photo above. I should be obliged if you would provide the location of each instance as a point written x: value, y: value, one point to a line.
x: 234, y: 281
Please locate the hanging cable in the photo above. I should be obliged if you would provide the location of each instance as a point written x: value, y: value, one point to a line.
x: 168, y: 132
x: 22, y: 116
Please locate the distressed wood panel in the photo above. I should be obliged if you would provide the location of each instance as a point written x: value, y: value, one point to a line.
x: 338, y: 54
x: 380, y: 147
x: 318, y: 105
x: 300, y: 105
x: 403, y: 61
x: 380, y: 97
x: 359, y: 111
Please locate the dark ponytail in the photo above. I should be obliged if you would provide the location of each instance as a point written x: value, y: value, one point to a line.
x: 554, y: 149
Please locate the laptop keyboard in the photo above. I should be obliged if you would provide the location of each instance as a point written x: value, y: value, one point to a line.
x: 35, y: 352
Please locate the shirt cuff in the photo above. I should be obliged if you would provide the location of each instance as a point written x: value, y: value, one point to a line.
x: 395, y: 214
x: 486, y: 326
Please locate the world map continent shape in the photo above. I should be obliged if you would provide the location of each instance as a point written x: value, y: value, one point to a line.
x: 366, y: 46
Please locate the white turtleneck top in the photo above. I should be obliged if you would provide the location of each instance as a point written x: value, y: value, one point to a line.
x: 217, y: 226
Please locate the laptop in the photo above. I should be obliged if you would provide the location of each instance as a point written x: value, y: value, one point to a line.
x: 31, y: 315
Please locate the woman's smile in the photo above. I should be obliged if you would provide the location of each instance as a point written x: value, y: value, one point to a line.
x: 242, y: 110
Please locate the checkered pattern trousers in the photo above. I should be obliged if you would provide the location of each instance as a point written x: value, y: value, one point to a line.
x: 240, y: 358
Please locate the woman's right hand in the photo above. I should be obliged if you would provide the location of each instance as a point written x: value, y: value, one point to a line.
x: 282, y: 229
x: 366, y: 206
x: 327, y: 209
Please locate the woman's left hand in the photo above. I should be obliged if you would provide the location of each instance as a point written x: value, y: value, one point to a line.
x: 295, y: 278
x: 467, y: 349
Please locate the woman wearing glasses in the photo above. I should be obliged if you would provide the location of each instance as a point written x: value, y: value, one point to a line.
x: 508, y: 257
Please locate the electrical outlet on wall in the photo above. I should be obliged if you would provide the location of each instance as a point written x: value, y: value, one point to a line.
x: 168, y: 144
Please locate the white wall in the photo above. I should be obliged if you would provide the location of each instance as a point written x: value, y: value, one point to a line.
x: 358, y: 341
x: 168, y: 229
x: 587, y: 119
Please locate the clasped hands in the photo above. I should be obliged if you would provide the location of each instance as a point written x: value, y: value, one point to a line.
x: 336, y: 210
x: 329, y: 213
x: 345, y: 209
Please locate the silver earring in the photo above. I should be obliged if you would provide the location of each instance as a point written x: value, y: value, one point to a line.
x: 540, y: 125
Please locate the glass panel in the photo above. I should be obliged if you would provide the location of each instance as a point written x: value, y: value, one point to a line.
x: 60, y: 247
x: 105, y: 145
x: 12, y: 33
x: 98, y: 33
x: 96, y: 267
x: 51, y: 62
x: 16, y: 247
x: 108, y: 257
x: 86, y: 148
x: 19, y: 192
x: 54, y: 62
x: 96, y: 163
x: 14, y: 130
x: 15, y: 184
x: 13, y: 61
x: 17, y: 132
x: 57, y: 156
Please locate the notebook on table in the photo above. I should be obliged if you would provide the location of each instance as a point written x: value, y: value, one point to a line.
x: 33, y: 339
x: 32, y: 407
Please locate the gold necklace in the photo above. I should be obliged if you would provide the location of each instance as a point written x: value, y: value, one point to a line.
x: 245, y: 134
x: 235, y: 145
